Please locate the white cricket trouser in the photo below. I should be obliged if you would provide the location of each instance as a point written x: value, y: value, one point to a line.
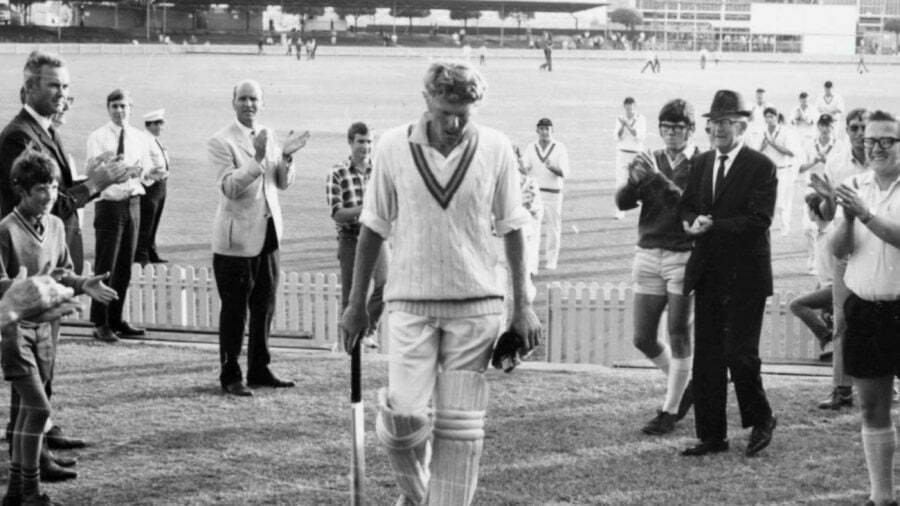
x: 532, y: 236
x: 552, y: 225
x: 420, y: 346
x: 787, y: 175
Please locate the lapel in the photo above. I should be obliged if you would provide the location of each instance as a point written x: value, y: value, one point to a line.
x: 45, y: 141
x: 242, y: 140
x: 706, y: 180
x: 732, y: 173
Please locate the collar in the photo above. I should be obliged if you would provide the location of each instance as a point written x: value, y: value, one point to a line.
x: 116, y: 128
x: 348, y: 164
x: 247, y: 131
x: 867, y: 178
x: 419, y: 133
x: 731, y: 154
x: 44, y: 122
x: 687, y: 152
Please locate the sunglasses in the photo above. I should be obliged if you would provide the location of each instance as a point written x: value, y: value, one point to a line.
x: 883, y: 142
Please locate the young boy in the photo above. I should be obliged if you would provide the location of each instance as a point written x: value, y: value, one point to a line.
x: 33, y: 239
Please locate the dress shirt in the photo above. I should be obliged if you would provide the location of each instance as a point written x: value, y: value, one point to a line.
x: 872, y: 271
x: 728, y: 162
x: 159, y: 159
x: 137, y: 152
x: 45, y: 123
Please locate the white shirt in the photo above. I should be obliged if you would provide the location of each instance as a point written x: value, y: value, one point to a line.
x: 782, y: 136
x: 833, y: 106
x: 137, y: 152
x: 873, y: 268
x: 628, y: 141
x: 804, y: 120
x: 535, y: 161
x: 728, y: 162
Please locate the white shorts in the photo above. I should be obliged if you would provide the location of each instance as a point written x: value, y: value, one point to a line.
x: 658, y: 271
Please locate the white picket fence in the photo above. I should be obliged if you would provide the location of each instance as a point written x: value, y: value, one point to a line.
x: 589, y: 323
x: 186, y: 299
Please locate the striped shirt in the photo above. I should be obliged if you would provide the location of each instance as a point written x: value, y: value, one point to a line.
x: 345, y: 188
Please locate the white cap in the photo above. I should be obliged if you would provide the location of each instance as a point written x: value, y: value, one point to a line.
x: 156, y: 115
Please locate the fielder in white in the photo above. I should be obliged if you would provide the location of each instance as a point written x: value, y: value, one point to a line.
x: 547, y: 160
x: 630, y: 132
x: 438, y: 186
x: 780, y: 144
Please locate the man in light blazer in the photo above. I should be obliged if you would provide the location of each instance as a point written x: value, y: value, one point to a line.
x: 250, y: 169
x: 727, y: 206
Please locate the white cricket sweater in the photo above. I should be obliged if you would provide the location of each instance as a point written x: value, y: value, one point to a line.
x: 438, y: 213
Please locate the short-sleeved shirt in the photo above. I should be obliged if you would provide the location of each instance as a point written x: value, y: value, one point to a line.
x: 345, y: 188
x: 873, y: 268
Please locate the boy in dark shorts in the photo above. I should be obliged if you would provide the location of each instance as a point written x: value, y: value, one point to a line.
x: 33, y: 240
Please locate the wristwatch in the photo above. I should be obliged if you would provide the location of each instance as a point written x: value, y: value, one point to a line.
x: 865, y: 219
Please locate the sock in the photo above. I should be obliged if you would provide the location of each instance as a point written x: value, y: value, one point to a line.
x: 662, y: 360
x: 878, y: 445
x: 679, y: 375
x: 15, y: 481
x: 31, y: 484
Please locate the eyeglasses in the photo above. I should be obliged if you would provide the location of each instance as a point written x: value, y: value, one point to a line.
x: 884, y: 142
x: 721, y: 122
x: 857, y: 128
x: 672, y: 128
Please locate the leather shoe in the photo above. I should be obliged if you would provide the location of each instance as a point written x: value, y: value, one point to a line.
x: 761, y: 436
x: 38, y: 500
x: 9, y: 500
x: 51, y: 472
x: 57, y: 441
x: 706, y: 447
x: 238, y: 388
x: 271, y: 381
x: 105, y: 334
x: 126, y: 330
x: 158, y: 260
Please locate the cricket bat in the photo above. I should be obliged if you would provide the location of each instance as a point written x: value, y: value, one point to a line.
x: 357, y: 421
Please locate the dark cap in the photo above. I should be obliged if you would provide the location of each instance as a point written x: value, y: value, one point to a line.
x: 544, y: 122
x: 760, y: 90
x: 828, y: 84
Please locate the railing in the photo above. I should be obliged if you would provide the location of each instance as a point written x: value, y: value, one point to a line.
x: 593, y: 324
x: 178, y: 298
x: 586, y: 323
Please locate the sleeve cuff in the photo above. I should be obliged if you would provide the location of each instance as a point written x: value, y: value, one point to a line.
x: 376, y: 224
x: 519, y: 218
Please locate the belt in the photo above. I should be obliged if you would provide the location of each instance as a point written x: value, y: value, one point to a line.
x: 551, y: 190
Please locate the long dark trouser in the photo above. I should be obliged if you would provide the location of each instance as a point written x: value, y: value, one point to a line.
x: 116, y: 228
x: 347, y: 256
x: 727, y: 337
x: 151, y: 211
x: 246, y: 282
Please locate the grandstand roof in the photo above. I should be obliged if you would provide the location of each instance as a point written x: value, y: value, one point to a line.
x: 483, y: 5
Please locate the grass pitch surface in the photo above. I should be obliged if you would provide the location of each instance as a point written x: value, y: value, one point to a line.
x: 163, y: 434
x: 326, y: 95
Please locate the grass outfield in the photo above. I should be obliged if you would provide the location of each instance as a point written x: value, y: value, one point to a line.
x: 163, y: 434
x: 326, y: 95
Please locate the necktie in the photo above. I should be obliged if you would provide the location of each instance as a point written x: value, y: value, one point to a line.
x: 720, y: 175
x: 120, y: 149
x: 39, y: 226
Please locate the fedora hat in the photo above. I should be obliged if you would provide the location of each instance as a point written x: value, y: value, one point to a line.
x: 727, y: 103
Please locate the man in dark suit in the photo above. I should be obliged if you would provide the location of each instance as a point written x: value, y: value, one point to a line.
x: 727, y: 206
x: 45, y: 93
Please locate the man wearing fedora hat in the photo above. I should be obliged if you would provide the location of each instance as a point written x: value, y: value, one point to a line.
x: 727, y: 206
x: 154, y: 199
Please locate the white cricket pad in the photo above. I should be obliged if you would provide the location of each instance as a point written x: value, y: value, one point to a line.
x: 406, y: 439
x: 460, y: 401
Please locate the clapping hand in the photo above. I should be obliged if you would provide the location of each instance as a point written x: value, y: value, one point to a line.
x: 259, y: 144
x: 701, y: 225
x: 106, y: 169
x: 821, y: 185
x: 643, y: 166
x: 294, y: 142
x: 851, y: 201
x: 95, y: 287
